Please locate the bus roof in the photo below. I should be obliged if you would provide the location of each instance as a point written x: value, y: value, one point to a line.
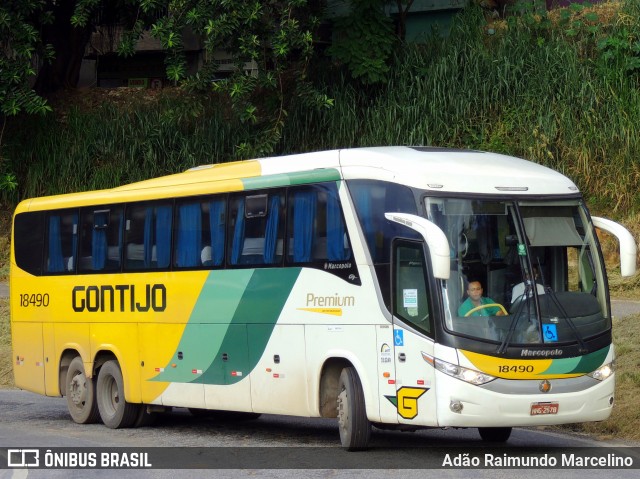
x: 429, y: 168
x: 458, y: 171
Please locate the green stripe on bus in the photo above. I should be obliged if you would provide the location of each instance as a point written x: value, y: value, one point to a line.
x: 261, y: 305
x: 208, y: 324
x: 287, y: 179
x: 217, y: 347
x: 579, y: 365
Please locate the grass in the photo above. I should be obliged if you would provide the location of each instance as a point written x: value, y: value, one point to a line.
x: 6, y: 365
x: 538, y: 88
x: 623, y: 423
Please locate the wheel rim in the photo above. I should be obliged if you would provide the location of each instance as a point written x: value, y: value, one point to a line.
x: 78, y: 389
x: 112, y: 396
x: 343, y: 412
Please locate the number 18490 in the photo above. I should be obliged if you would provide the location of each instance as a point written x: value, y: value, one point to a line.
x: 35, y: 300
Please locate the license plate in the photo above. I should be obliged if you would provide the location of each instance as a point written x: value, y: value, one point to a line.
x: 540, y: 408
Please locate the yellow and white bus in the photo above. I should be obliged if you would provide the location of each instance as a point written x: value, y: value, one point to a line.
x: 328, y: 284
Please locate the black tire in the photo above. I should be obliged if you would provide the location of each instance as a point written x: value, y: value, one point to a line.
x: 144, y: 418
x: 114, y: 410
x: 81, y: 394
x: 355, y: 428
x: 495, y: 434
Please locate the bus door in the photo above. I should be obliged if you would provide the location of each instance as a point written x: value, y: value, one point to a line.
x: 412, y: 334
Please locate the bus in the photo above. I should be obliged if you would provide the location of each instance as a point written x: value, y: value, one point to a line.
x: 329, y: 284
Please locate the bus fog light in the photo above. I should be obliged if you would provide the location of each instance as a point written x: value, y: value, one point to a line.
x: 456, y: 406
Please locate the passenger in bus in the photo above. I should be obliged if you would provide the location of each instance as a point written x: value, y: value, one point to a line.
x: 476, y: 300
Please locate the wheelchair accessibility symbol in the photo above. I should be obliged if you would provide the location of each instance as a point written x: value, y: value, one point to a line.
x: 398, y: 337
x: 550, y: 333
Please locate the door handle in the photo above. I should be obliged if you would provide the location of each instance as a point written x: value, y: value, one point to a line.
x: 402, y: 358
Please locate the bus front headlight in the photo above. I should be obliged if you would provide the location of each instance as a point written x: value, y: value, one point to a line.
x: 603, y: 372
x: 464, y: 374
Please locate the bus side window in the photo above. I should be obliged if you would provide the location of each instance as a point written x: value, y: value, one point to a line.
x: 188, y: 235
x: 62, y: 242
x: 101, y: 239
x: 200, y: 235
x: 256, y: 229
x: 213, y: 252
x: 316, y: 227
x: 372, y: 200
x: 148, y: 236
x: 410, y: 290
x: 29, y: 228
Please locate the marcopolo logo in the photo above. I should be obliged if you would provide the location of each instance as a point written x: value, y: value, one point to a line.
x: 541, y: 353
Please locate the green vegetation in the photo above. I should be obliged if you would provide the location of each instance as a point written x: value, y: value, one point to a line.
x: 531, y: 89
x: 545, y: 88
x: 6, y: 369
x: 623, y: 423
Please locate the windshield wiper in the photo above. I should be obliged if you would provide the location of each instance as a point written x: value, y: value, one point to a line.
x: 524, y: 298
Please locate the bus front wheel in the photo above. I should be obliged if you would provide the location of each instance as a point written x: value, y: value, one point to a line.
x: 495, y: 434
x: 81, y: 394
x: 353, y: 423
x: 114, y: 410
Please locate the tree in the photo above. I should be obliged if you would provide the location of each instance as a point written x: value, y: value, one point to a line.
x: 19, y: 42
x: 364, y: 41
x: 403, y: 9
x: 276, y: 36
x: 69, y: 31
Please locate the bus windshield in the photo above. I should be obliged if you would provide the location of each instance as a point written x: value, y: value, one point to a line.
x: 522, y: 272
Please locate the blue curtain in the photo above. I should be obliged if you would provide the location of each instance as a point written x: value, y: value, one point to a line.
x: 335, y: 229
x: 271, y: 234
x: 304, y: 215
x: 163, y: 236
x: 189, y: 235
x: 238, y: 234
x: 148, y: 237
x: 216, y: 221
x: 99, y: 240
x: 56, y: 261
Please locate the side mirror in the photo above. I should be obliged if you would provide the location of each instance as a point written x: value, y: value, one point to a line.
x: 628, y: 247
x: 433, y: 236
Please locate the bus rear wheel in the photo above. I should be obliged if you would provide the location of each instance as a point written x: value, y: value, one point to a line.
x: 354, y: 426
x: 495, y: 434
x: 114, y: 410
x: 81, y: 394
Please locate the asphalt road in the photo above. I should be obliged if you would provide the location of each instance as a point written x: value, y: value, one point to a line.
x: 281, y: 446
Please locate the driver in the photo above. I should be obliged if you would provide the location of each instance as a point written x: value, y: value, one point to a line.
x: 475, y: 299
